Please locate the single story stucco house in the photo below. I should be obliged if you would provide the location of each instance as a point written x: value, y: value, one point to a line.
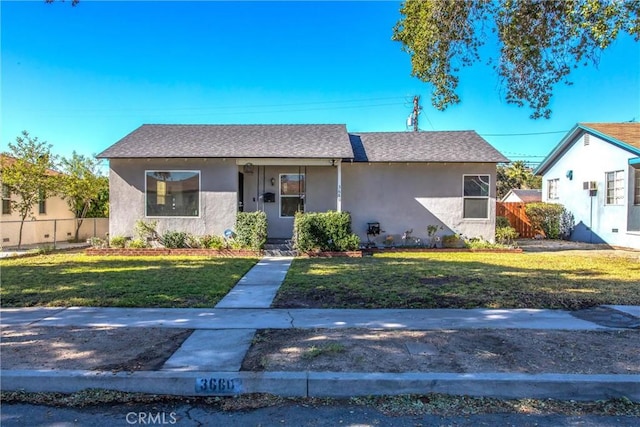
x: 594, y: 172
x: 195, y: 178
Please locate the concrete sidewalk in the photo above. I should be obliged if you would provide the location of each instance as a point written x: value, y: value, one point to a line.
x: 200, y: 368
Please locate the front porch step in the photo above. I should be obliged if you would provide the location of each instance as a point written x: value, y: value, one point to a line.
x: 279, y: 247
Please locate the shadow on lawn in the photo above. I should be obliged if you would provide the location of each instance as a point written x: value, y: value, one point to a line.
x: 135, y: 282
x: 474, y: 281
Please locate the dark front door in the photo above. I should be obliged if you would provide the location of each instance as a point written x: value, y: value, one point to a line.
x: 240, y: 192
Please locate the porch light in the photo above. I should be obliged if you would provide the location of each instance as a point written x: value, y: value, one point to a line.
x: 273, y: 181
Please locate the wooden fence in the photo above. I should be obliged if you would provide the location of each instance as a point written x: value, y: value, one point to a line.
x: 515, y: 212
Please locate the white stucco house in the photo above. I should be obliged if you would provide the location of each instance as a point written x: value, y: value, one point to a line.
x: 195, y: 178
x: 594, y: 171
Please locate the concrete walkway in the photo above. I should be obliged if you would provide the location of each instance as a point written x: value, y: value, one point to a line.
x: 200, y: 368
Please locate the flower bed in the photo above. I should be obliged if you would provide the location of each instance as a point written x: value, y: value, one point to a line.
x: 167, y: 251
x: 334, y: 254
x: 400, y: 249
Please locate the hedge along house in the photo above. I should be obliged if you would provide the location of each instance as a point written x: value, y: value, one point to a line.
x: 195, y: 178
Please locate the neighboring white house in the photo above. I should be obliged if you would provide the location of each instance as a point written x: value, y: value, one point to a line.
x: 595, y: 173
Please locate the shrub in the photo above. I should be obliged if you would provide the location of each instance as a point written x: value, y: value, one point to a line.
x: 325, y: 231
x: 479, y: 243
x: 550, y: 218
x: 97, y: 242
x: 174, y: 239
x: 502, y: 221
x: 145, y: 230
x: 212, y: 242
x: 138, y: 244
x: 251, y: 230
x: 452, y: 241
x: 193, y: 241
x: 118, y: 242
x: 506, y: 235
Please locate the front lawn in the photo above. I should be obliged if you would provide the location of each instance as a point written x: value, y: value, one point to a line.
x: 64, y: 280
x: 462, y: 280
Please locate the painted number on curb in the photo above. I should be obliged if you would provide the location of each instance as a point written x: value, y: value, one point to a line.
x: 218, y: 385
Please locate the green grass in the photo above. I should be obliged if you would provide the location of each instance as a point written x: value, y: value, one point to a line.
x: 64, y: 280
x: 462, y: 280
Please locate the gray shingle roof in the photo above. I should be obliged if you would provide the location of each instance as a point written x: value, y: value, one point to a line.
x: 447, y: 146
x: 197, y: 141
x: 301, y: 141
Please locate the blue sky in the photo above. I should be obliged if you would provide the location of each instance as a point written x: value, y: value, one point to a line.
x: 83, y: 77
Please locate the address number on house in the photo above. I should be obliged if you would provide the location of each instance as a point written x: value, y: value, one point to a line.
x: 218, y: 386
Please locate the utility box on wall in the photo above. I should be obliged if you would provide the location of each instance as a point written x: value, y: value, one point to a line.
x: 269, y: 198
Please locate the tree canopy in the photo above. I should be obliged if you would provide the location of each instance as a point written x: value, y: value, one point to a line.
x: 82, y: 185
x: 516, y: 175
x: 27, y: 170
x: 540, y: 42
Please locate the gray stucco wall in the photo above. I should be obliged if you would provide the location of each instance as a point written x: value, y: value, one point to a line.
x: 218, y: 195
x: 321, y: 182
x: 412, y: 196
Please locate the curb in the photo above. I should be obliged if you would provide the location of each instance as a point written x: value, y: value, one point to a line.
x: 329, y: 384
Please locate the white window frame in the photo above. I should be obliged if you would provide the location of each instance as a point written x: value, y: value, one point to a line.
x: 299, y: 195
x: 487, y: 197
x: 42, y: 203
x: 553, y: 184
x: 618, y: 190
x: 174, y: 171
x: 6, y: 199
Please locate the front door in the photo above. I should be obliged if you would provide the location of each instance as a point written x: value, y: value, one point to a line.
x: 240, y: 192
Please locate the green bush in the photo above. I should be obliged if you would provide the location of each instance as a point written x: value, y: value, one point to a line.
x: 117, y: 242
x: 502, y: 221
x: 326, y: 231
x: 212, y: 242
x: 452, y: 241
x: 137, y: 244
x: 174, y: 239
x: 550, y: 218
x: 506, y: 235
x: 251, y: 230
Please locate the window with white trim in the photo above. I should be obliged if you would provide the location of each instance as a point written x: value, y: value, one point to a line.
x: 552, y: 188
x: 475, y: 196
x: 636, y: 188
x: 292, y: 194
x: 6, y: 199
x: 42, y: 202
x: 172, y: 193
x: 614, y: 188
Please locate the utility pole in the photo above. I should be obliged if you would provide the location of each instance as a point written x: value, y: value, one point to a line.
x: 416, y: 111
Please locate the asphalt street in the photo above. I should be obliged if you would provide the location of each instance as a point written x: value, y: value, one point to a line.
x: 284, y: 415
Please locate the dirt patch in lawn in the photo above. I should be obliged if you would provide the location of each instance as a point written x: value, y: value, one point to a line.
x: 99, y: 349
x: 458, y: 351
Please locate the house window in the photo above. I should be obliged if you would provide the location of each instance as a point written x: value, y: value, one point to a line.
x: 475, y: 196
x: 292, y: 192
x: 42, y: 202
x: 614, y: 187
x: 552, y: 188
x: 636, y: 188
x: 173, y: 193
x: 6, y: 200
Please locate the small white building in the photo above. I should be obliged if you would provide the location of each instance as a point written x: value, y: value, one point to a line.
x: 519, y: 195
x: 595, y: 173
